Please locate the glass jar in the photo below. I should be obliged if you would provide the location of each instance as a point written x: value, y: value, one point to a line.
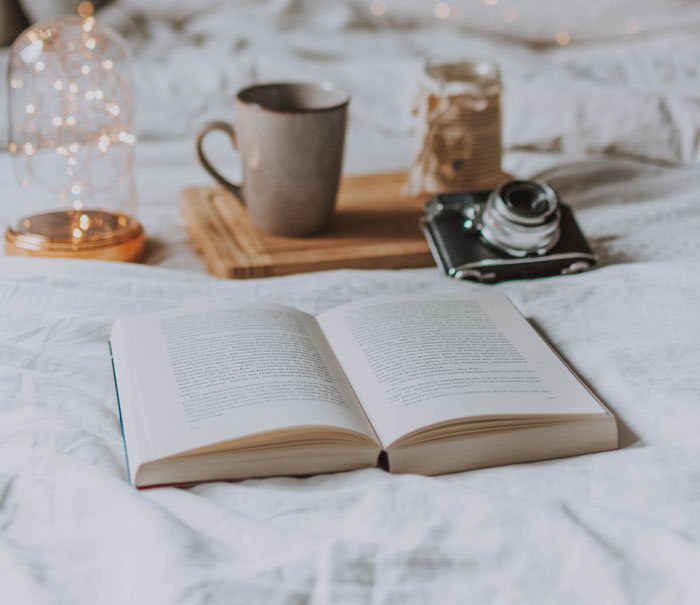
x: 71, y: 140
x: 458, y: 128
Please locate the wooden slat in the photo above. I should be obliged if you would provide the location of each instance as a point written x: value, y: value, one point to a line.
x: 374, y: 227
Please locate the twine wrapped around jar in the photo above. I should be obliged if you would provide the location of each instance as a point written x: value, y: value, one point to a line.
x: 458, y: 131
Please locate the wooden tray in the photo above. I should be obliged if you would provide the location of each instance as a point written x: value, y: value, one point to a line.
x: 374, y: 228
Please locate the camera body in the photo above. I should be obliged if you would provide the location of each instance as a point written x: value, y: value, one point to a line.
x: 520, y: 230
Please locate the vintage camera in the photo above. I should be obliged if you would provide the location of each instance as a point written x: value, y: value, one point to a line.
x: 520, y: 230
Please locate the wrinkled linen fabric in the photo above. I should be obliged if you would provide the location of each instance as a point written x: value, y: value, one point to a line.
x: 621, y: 526
x: 615, y: 527
x: 633, y: 94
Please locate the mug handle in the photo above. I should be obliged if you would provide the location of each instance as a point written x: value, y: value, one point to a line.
x: 229, y: 130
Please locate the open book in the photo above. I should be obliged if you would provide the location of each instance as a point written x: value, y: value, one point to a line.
x: 416, y: 384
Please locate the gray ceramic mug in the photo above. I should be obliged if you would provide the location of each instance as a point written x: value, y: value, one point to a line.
x: 290, y: 137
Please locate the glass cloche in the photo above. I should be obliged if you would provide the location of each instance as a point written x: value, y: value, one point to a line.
x: 71, y: 139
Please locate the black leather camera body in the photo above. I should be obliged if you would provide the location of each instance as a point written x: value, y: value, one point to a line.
x: 520, y: 230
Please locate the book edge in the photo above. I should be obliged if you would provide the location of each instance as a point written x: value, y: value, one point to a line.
x: 476, y: 454
x: 119, y: 408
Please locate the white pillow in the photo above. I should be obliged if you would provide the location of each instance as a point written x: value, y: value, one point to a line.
x: 545, y: 21
x: 537, y: 21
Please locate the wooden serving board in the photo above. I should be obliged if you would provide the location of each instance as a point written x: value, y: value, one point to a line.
x: 375, y: 227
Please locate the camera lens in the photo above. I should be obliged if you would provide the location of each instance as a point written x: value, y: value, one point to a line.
x: 521, y: 218
x: 525, y: 199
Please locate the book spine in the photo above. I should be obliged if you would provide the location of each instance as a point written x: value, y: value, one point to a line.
x: 119, y: 407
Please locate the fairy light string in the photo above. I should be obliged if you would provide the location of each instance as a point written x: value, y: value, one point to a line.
x: 70, y: 115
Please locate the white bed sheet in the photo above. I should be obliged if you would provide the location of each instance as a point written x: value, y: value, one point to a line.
x: 617, y: 527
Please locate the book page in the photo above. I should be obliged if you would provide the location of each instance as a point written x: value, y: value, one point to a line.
x: 416, y: 360
x: 214, y: 373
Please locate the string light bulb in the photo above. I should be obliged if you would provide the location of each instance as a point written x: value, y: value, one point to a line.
x: 442, y: 10
x: 86, y: 10
x: 377, y: 8
x: 562, y: 38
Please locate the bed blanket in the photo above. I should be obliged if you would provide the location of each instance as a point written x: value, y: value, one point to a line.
x: 621, y: 526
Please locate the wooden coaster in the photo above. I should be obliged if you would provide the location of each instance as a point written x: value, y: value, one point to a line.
x: 375, y: 227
